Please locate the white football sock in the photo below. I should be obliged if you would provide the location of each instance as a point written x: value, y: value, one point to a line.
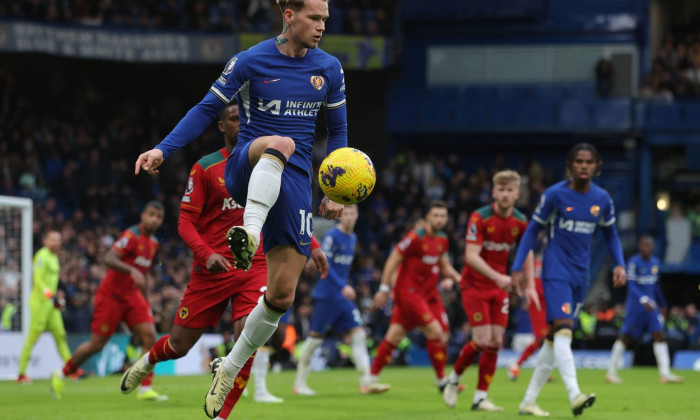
x: 615, y: 355
x: 564, y: 359
x: 304, y: 364
x: 259, y: 327
x: 543, y: 368
x: 259, y: 370
x: 263, y: 190
x: 663, y: 360
x: 479, y: 395
x: 358, y: 341
x: 453, y: 377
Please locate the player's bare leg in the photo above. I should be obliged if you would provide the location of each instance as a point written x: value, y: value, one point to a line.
x: 284, y: 265
x: 268, y: 155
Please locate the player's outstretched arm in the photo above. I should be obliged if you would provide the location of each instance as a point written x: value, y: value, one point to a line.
x: 388, y: 273
x: 615, y: 247
x: 189, y: 128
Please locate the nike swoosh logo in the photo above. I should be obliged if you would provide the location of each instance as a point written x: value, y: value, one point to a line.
x: 304, y: 243
x: 213, y: 387
x: 267, y: 82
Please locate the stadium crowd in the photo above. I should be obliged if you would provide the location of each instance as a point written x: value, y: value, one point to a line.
x: 348, y: 16
x: 675, y: 72
x: 76, y: 164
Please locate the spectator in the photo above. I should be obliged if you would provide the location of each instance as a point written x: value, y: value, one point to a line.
x: 678, y: 231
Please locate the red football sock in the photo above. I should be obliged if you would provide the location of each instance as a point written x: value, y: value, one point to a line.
x: 69, y: 368
x: 469, y: 353
x: 436, y: 353
x: 148, y: 380
x: 238, y: 387
x: 383, y: 356
x: 162, y: 351
x: 529, y: 351
x: 487, y: 367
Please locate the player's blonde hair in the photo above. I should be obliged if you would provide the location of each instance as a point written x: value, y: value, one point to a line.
x: 506, y: 177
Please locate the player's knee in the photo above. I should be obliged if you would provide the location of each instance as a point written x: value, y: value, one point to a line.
x: 496, y: 342
x: 179, y: 345
x: 563, y: 330
x: 285, y: 145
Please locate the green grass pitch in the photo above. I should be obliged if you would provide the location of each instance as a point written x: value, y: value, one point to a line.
x: 412, y: 397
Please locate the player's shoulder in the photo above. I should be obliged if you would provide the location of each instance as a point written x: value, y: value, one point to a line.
x: 518, y: 215
x: 634, y: 259
x: 484, y: 212
x: 321, y: 57
x: 417, y: 233
x: 557, y: 188
x: 258, y: 53
x: 599, y: 191
x: 207, y: 161
x: 442, y: 235
x: 132, y: 231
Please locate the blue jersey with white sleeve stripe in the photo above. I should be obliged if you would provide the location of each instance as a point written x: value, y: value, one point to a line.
x: 339, y: 248
x: 282, y: 95
x: 571, y: 218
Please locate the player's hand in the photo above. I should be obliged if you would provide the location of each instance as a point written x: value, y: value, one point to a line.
x: 330, y: 209
x: 380, y: 299
x: 149, y: 161
x: 648, y: 306
x: 348, y: 292
x: 59, y: 303
x: 216, y: 263
x: 319, y: 259
x: 447, y: 284
x: 619, y: 276
x: 138, y: 278
x: 503, y: 281
x: 516, y: 278
x: 533, y: 297
x: 48, y: 294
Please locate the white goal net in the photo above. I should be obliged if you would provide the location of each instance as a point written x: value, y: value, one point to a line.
x: 15, y: 262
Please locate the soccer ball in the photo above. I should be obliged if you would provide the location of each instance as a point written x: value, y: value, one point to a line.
x: 347, y: 176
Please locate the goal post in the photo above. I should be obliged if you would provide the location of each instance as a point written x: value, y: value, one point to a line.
x: 16, y: 247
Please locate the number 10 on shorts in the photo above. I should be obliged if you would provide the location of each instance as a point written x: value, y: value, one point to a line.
x: 306, y: 221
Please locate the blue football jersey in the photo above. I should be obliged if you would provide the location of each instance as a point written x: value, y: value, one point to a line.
x: 282, y: 95
x: 572, y: 218
x: 339, y: 249
x: 643, y: 280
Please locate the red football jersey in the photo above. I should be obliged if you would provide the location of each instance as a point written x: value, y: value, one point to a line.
x: 136, y: 250
x: 496, y: 235
x: 209, y: 206
x: 421, y: 253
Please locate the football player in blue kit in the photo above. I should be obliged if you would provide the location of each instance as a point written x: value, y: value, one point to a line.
x: 334, y: 307
x: 644, y: 301
x: 281, y: 85
x: 571, y: 210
